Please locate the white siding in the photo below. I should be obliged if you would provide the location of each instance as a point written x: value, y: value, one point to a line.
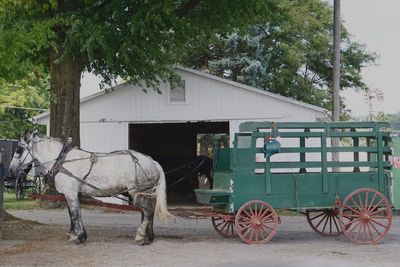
x: 105, y: 117
x: 207, y: 99
x: 104, y: 137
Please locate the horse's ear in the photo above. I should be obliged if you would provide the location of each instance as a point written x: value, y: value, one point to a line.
x: 29, y: 134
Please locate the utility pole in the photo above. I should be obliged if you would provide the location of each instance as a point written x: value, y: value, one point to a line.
x: 336, y: 76
x: 336, y: 63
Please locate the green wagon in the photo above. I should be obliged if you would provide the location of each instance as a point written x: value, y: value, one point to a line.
x: 289, y: 166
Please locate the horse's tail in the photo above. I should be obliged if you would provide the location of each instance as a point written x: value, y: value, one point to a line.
x: 161, y: 210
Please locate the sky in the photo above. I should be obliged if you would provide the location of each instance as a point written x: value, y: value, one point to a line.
x: 376, y: 23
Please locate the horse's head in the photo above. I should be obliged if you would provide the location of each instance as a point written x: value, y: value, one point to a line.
x: 23, y: 156
x: 42, y: 151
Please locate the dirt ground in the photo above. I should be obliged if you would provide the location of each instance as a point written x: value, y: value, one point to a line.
x: 38, y: 238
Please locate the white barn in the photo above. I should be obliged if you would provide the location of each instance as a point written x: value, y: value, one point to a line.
x: 166, y: 126
x: 206, y: 102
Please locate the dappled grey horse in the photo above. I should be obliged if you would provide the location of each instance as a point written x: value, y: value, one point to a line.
x: 96, y: 174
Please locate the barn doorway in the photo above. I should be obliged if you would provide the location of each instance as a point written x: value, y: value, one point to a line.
x: 176, y: 146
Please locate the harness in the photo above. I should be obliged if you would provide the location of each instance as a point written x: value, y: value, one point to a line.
x: 58, y: 167
x: 59, y: 161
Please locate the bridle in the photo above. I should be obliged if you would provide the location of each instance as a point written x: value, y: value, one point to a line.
x: 19, y: 151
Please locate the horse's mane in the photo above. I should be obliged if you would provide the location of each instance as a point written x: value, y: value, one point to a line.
x: 50, y: 138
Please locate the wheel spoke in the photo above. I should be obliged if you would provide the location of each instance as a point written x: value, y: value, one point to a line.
x: 245, y: 222
x: 376, y: 230
x: 266, y: 218
x: 360, y: 201
x: 364, y: 232
x: 336, y: 225
x: 355, y: 204
x: 326, y: 222
x: 323, y: 218
x: 377, y: 204
x: 352, y: 209
x: 223, y: 227
x: 248, y: 215
x: 354, y: 225
x: 252, y: 211
x: 219, y: 224
x: 372, y: 201
x: 378, y: 223
x: 377, y: 211
x: 263, y: 230
x: 265, y: 212
x: 269, y: 227
x: 317, y: 216
x: 380, y: 217
x: 369, y: 230
x: 359, y: 230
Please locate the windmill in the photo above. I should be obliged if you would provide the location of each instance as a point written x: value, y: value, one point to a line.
x: 372, y: 97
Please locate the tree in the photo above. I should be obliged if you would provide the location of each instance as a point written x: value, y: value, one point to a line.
x: 138, y: 41
x: 288, y: 52
x: 19, y: 102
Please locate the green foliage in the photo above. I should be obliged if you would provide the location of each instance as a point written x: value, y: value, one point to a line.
x: 20, y: 101
x: 138, y: 41
x: 288, y: 52
x: 380, y: 116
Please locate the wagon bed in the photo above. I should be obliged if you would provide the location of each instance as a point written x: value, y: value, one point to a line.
x: 289, y: 166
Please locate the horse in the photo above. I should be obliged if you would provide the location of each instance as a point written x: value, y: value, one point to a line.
x: 76, y: 171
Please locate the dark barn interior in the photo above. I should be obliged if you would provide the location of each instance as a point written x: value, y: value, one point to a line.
x: 174, y: 146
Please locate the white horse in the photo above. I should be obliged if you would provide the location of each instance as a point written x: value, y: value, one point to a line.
x: 96, y: 174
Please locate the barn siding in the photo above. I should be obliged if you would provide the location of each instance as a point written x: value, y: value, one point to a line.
x: 105, y: 118
x: 104, y: 137
x: 206, y: 100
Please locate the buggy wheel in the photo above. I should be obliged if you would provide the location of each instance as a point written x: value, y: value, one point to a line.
x: 365, y: 216
x: 224, y: 225
x: 325, y: 221
x: 256, y: 222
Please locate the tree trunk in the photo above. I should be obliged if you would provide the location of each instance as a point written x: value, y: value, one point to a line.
x: 65, y: 100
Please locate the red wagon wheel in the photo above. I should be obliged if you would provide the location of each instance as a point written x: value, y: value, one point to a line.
x: 365, y: 216
x: 224, y: 225
x: 256, y: 222
x: 324, y: 221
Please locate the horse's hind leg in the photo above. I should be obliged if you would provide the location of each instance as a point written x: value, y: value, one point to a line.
x: 78, y: 230
x: 144, y: 234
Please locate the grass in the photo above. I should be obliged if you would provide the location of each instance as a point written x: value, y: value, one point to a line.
x: 10, y: 202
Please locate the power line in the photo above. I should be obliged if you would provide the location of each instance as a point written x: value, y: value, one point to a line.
x: 27, y: 108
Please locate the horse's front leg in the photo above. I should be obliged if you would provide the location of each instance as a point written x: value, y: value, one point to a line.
x: 78, y: 232
x: 71, y: 228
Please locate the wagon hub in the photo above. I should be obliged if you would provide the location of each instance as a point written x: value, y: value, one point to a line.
x: 256, y: 222
x: 365, y: 216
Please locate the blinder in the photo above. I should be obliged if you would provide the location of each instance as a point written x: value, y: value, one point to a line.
x: 19, y: 150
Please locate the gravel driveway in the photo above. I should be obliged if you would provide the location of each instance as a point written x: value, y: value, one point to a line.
x: 41, y: 241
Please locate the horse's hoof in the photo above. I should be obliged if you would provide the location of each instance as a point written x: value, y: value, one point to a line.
x: 72, y: 238
x: 142, y: 242
x: 82, y: 237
